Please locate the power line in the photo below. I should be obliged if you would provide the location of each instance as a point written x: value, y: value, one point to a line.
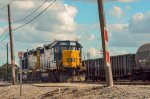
x: 27, y: 0
x: 30, y: 13
x: 4, y: 32
x: 4, y: 38
x: 35, y: 16
x: 6, y: 5
x: 2, y: 47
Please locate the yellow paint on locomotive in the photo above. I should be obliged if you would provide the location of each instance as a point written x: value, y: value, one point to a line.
x: 38, y: 58
x: 71, y: 58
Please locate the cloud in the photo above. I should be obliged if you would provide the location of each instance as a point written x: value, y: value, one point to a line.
x: 93, y: 51
x: 1, y: 31
x: 132, y: 34
x: 117, y: 27
x: 139, y: 23
x: 65, y: 36
x: 115, y: 51
x: 57, y: 22
x: 122, y: 37
x: 91, y: 37
x: 125, y: 1
x: 24, y: 5
x: 128, y: 7
x: 97, y: 53
x: 61, y: 21
x: 116, y: 12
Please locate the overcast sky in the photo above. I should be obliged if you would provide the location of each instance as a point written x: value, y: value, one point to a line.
x: 128, y: 24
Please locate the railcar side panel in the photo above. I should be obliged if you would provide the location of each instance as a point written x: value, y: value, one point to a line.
x: 121, y: 67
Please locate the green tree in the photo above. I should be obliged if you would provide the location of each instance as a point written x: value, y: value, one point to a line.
x: 3, y: 72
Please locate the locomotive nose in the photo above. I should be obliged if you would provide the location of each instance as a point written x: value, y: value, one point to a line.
x: 72, y: 58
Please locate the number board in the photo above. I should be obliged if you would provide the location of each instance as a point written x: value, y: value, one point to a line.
x: 63, y: 43
x: 73, y: 43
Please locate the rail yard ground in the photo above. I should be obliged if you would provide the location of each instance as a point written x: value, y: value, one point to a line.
x: 75, y: 91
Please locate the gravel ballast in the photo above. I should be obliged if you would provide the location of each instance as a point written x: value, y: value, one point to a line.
x: 78, y: 91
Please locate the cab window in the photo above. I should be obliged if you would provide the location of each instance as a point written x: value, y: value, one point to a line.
x: 72, y: 48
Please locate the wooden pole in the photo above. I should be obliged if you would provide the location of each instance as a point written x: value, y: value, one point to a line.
x: 7, y: 61
x: 11, y: 47
x: 104, y: 35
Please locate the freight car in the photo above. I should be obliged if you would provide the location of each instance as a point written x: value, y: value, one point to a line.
x: 143, y: 62
x: 122, y: 67
x: 59, y: 61
x: 129, y: 66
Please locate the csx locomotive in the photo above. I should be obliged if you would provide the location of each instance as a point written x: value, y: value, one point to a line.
x: 59, y: 61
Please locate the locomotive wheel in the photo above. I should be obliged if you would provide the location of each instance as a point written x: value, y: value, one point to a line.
x: 143, y: 76
x: 29, y: 76
x: 82, y: 76
x: 78, y: 76
x: 44, y: 80
x: 52, y: 76
x: 38, y: 76
x: 68, y: 76
x: 63, y: 76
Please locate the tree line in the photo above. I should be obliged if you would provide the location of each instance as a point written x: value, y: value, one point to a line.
x: 6, y: 72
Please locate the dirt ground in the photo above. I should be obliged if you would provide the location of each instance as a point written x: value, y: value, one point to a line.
x: 75, y: 91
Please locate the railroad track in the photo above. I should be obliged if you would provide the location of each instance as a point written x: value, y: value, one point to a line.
x: 102, y: 82
x: 122, y: 82
x: 132, y: 83
x: 2, y: 84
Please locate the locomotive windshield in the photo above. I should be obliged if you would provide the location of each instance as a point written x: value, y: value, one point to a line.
x: 71, y: 48
x: 68, y: 48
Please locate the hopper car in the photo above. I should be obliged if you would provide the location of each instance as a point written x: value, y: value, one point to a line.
x: 124, y: 67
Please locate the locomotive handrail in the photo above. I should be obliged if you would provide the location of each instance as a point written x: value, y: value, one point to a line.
x: 60, y: 62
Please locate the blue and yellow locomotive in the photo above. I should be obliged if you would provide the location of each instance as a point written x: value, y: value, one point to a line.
x: 59, y: 61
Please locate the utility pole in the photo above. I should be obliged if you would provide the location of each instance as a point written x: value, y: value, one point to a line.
x: 11, y: 47
x: 104, y: 35
x: 7, y: 61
